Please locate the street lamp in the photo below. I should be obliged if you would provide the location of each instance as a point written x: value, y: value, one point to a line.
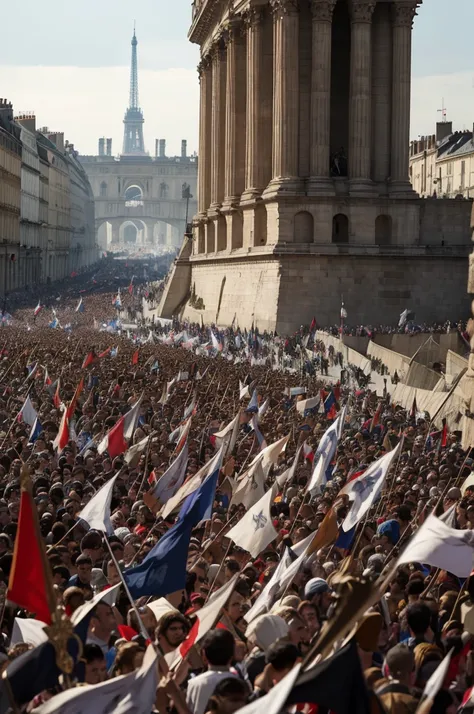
x: 186, y: 193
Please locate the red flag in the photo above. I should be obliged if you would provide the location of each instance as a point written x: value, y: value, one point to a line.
x: 56, y: 398
x: 337, y: 390
x: 105, y: 352
x: 376, y: 417
x: 27, y: 586
x: 116, y: 443
x: 135, y: 357
x: 72, y: 406
x: 152, y: 478
x: 62, y: 437
x: 313, y: 324
x: 88, y: 359
x: 444, y: 435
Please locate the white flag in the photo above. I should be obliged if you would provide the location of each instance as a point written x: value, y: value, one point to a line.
x: 263, y: 408
x: 270, y: 454
x: 208, y: 615
x: 255, y: 531
x: 325, y: 452
x: 365, y: 489
x: 136, y: 449
x: 288, y: 475
x: 244, y: 390
x: 173, y: 478
x: 108, y: 596
x: 228, y: 436
x: 436, y: 681
x: 443, y: 547
x: 250, y: 486
x: 310, y: 403
x: 28, y: 412
x: 97, y: 512
x: 190, y: 486
x: 274, y: 701
x: 29, y: 630
x: 267, y: 597
x: 127, y: 694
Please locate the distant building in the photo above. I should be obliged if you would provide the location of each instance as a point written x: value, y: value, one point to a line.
x: 141, y: 202
x: 47, y: 222
x: 10, y: 196
x: 442, y: 164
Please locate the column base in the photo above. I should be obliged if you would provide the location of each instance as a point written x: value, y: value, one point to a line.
x: 362, y: 187
x: 401, y: 189
x: 230, y: 204
x: 214, y: 210
x: 320, y: 186
x: 284, y: 186
x: 250, y: 195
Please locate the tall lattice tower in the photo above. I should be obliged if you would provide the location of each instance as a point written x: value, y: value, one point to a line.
x: 133, y: 144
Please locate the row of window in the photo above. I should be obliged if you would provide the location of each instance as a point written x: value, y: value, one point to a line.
x: 135, y: 193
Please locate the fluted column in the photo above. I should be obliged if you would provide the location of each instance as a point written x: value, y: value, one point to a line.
x: 254, y: 124
x: 286, y: 97
x: 381, y: 95
x: 402, y: 18
x: 319, y: 182
x: 235, y: 114
x: 218, y: 124
x: 205, y: 107
x: 360, y: 97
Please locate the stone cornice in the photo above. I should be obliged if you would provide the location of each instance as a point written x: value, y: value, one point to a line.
x: 322, y: 10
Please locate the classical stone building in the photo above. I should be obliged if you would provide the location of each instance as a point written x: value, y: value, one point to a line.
x: 141, y: 202
x: 47, y: 227
x: 10, y: 196
x: 442, y: 164
x: 303, y: 191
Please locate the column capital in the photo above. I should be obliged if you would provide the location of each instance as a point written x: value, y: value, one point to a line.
x: 284, y: 7
x: 217, y: 50
x: 403, y: 13
x: 232, y: 30
x: 362, y: 10
x: 204, y: 64
x: 252, y: 17
x: 322, y: 10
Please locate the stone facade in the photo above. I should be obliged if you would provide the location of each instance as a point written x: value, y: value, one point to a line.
x: 10, y: 196
x: 139, y: 201
x: 321, y: 200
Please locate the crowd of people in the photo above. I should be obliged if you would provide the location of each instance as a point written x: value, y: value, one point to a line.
x: 63, y: 395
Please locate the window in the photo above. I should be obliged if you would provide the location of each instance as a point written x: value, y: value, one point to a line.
x: 163, y: 190
x: 449, y: 168
x: 463, y: 175
x: 103, y: 189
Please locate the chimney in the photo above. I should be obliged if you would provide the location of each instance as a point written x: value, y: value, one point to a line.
x: 101, y: 147
x: 27, y: 120
x: 6, y: 109
x: 443, y: 129
x: 184, y: 148
x: 109, y: 147
x: 162, y: 148
x: 156, y: 147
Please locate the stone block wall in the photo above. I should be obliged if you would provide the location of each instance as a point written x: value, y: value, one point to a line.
x: 445, y: 220
x: 375, y: 289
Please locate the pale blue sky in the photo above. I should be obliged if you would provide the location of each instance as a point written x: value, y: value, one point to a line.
x: 70, y: 64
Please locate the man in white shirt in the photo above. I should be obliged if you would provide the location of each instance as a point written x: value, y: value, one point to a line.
x: 218, y: 652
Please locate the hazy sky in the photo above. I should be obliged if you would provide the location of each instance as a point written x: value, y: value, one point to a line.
x: 70, y: 64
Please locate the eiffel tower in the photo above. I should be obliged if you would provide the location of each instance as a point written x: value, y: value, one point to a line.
x: 133, y: 144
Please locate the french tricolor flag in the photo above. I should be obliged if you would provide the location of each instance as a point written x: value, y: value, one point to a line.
x: 38, y: 308
x: 114, y: 441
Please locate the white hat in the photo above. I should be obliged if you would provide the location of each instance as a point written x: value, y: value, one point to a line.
x: 265, y: 630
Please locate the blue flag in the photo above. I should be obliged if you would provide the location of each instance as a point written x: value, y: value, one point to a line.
x: 253, y: 404
x: 36, y: 430
x: 205, y: 494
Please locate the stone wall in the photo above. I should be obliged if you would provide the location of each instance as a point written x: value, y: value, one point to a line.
x: 445, y: 221
x: 241, y: 291
x: 375, y: 289
x: 286, y: 291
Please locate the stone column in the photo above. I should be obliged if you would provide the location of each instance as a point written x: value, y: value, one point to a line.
x: 254, y: 125
x: 204, y: 167
x: 320, y: 182
x: 360, y: 97
x: 402, y: 18
x: 235, y: 111
x: 381, y: 95
x: 285, y: 98
x: 218, y: 124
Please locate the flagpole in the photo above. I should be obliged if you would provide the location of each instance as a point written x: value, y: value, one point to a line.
x: 14, y: 420
x: 218, y: 570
